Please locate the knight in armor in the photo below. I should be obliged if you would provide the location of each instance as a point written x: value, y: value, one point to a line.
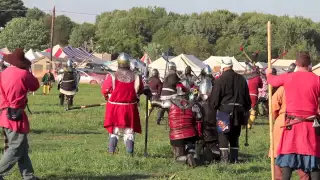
x: 134, y: 67
x: 68, y: 85
x: 183, y: 126
x: 122, y: 90
x: 169, y: 89
x: 191, y: 79
x: 206, y: 73
x: 155, y: 85
x: 208, y: 143
x: 254, y: 83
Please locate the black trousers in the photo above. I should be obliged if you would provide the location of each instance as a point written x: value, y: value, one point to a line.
x: 232, y: 138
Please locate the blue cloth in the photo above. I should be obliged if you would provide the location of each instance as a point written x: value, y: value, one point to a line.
x: 296, y: 161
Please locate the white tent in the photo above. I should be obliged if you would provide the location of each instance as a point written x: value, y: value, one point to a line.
x: 215, y: 61
x: 31, y: 55
x: 160, y: 65
x: 113, y: 65
x: 183, y: 60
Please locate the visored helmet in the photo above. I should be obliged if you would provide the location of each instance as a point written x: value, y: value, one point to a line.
x: 69, y: 63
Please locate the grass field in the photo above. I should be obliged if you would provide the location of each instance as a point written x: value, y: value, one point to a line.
x: 73, y: 145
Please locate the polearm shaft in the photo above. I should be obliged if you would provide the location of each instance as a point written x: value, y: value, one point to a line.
x: 85, y: 106
x: 270, y: 104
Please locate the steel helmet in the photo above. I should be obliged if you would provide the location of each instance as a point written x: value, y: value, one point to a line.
x: 292, y: 68
x: 133, y: 65
x: 69, y: 63
x: 205, y: 89
x: 123, y: 60
x: 155, y: 73
x: 207, y: 70
x: 172, y: 66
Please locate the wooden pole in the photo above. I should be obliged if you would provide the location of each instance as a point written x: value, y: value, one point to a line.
x: 52, y: 33
x: 270, y: 103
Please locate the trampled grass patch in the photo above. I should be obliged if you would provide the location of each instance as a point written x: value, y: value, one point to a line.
x: 73, y: 145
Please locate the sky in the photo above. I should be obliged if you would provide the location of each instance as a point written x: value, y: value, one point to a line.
x: 305, y: 8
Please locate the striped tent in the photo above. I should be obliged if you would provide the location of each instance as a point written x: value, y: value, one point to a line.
x: 57, y: 51
x: 145, y: 59
x: 81, y: 55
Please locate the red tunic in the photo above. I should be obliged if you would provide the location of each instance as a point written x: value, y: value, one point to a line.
x: 302, y: 90
x: 122, y: 108
x: 16, y: 83
x: 254, y: 84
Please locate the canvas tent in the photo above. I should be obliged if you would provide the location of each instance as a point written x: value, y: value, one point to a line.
x: 215, y: 63
x: 57, y: 51
x: 281, y: 65
x: 160, y: 65
x: 31, y: 55
x: 316, y: 69
x: 113, y: 65
x: 40, y: 66
x: 183, y: 60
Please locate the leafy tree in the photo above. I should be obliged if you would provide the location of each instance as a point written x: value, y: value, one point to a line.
x: 24, y: 33
x: 17, y: 7
x: 35, y: 13
x: 81, y: 34
x: 153, y: 50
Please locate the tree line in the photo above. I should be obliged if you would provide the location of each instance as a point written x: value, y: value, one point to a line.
x: 155, y: 31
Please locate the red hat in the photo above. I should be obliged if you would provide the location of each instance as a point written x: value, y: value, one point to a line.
x: 16, y: 58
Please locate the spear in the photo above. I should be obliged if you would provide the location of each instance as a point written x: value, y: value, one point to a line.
x: 85, y: 106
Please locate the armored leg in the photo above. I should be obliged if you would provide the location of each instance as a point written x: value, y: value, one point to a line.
x: 61, y: 97
x: 179, y: 154
x: 128, y: 138
x: 160, y: 115
x: 113, y: 142
x: 190, y: 149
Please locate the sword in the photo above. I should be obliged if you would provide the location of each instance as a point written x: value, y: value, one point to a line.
x: 191, y: 69
x: 85, y: 106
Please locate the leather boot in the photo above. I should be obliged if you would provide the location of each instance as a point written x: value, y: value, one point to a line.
x: 224, y: 156
x: 113, y: 141
x: 234, y: 153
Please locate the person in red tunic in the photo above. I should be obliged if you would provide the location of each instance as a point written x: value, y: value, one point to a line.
x: 122, y: 90
x: 254, y: 83
x: 299, y: 146
x: 182, y: 123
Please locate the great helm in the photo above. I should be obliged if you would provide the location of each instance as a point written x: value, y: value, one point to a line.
x: 172, y: 66
x: 69, y: 63
x: 155, y: 73
x: 205, y: 89
x: 123, y: 60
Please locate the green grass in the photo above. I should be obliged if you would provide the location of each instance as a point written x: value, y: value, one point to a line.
x: 73, y: 145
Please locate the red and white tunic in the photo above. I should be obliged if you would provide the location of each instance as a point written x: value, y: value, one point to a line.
x: 122, y: 107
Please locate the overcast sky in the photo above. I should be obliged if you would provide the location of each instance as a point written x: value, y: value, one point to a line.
x: 306, y: 8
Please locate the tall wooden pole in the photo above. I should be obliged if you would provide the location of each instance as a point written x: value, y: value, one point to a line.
x: 270, y: 103
x: 52, y: 33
